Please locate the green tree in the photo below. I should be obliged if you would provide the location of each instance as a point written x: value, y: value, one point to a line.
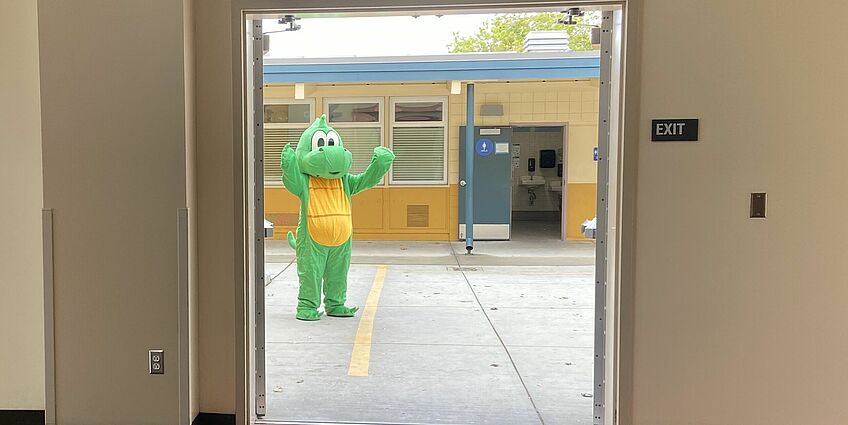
x: 506, y: 33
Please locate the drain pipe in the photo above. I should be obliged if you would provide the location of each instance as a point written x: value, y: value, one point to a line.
x: 469, y: 167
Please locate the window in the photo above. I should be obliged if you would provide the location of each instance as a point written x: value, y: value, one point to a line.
x: 285, y: 120
x: 419, y: 140
x: 359, y: 121
x: 291, y: 113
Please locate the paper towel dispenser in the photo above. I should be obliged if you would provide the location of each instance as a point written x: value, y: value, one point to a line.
x: 547, y: 158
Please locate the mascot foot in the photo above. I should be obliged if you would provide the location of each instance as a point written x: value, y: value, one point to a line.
x: 342, y: 311
x: 308, y: 315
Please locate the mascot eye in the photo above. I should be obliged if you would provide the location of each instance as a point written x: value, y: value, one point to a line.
x: 318, y: 139
x: 333, y: 138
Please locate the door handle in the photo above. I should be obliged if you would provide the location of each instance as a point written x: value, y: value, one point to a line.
x: 462, y: 183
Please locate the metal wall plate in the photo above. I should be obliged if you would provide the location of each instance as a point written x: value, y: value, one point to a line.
x: 758, y: 205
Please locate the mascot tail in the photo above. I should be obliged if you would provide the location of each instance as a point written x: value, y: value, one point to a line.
x: 292, y: 240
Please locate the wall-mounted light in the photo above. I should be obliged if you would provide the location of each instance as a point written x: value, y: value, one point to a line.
x: 291, y: 20
x: 570, y: 14
x: 299, y: 89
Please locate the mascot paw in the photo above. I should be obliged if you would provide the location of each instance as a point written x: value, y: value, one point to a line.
x: 308, y: 315
x: 342, y: 311
x: 382, y: 152
x: 288, y: 154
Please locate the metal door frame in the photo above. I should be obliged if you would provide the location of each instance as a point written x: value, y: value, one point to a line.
x: 248, y: 170
x: 256, y: 183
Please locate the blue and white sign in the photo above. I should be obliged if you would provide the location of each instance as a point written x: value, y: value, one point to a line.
x: 484, y: 147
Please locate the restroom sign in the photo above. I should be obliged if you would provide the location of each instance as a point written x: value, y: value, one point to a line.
x: 674, y: 130
x: 484, y: 147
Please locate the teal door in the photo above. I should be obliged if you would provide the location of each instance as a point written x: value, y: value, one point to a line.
x: 492, y: 182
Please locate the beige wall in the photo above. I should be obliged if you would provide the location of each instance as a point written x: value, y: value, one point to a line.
x: 218, y: 284
x: 734, y: 321
x: 741, y: 321
x: 191, y: 203
x: 21, y: 306
x: 115, y: 168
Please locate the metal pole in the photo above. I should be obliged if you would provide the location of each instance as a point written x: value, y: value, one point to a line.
x: 469, y: 167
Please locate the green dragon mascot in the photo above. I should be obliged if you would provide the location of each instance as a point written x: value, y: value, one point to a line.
x: 317, y: 172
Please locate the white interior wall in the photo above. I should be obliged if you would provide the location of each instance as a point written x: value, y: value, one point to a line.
x: 21, y: 305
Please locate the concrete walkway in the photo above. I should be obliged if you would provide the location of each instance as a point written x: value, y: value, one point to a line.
x: 521, y: 252
x: 496, y: 341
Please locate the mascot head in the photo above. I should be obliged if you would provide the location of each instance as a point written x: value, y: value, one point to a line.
x: 321, y: 153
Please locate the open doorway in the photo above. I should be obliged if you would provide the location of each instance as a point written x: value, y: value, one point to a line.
x: 442, y: 337
x: 554, y: 179
x: 539, y: 169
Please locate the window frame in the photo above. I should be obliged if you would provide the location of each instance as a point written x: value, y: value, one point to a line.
x: 290, y: 101
x: 380, y: 123
x: 444, y: 123
x: 281, y: 125
x: 348, y: 100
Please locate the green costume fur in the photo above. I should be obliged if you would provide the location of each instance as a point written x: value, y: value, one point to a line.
x: 321, y: 160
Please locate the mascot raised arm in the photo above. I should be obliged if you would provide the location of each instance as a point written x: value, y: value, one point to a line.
x: 317, y: 172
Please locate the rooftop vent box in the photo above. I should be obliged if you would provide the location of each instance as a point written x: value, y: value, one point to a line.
x: 546, y: 41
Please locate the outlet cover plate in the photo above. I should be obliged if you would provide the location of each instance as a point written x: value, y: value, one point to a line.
x: 157, y: 362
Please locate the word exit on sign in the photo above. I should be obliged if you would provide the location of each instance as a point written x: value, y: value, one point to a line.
x: 678, y: 130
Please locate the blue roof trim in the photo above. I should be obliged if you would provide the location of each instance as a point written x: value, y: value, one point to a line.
x: 483, y: 69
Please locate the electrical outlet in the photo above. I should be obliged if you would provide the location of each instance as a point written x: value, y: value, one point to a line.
x: 157, y: 362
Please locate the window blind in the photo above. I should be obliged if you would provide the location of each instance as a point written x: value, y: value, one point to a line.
x: 360, y: 141
x: 274, y: 140
x: 420, y: 154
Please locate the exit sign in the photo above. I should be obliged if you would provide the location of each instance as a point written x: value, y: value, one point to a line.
x: 674, y: 130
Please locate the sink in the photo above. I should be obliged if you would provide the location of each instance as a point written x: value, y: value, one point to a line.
x: 555, y: 185
x: 532, y: 181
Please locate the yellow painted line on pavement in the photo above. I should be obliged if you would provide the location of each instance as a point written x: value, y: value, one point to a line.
x: 361, y: 355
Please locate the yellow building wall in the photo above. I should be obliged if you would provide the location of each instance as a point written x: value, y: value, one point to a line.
x: 384, y: 212
x: 580, y: 206
x: 380, y: 213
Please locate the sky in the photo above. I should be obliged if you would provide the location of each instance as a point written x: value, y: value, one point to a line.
x: 370, y: 36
